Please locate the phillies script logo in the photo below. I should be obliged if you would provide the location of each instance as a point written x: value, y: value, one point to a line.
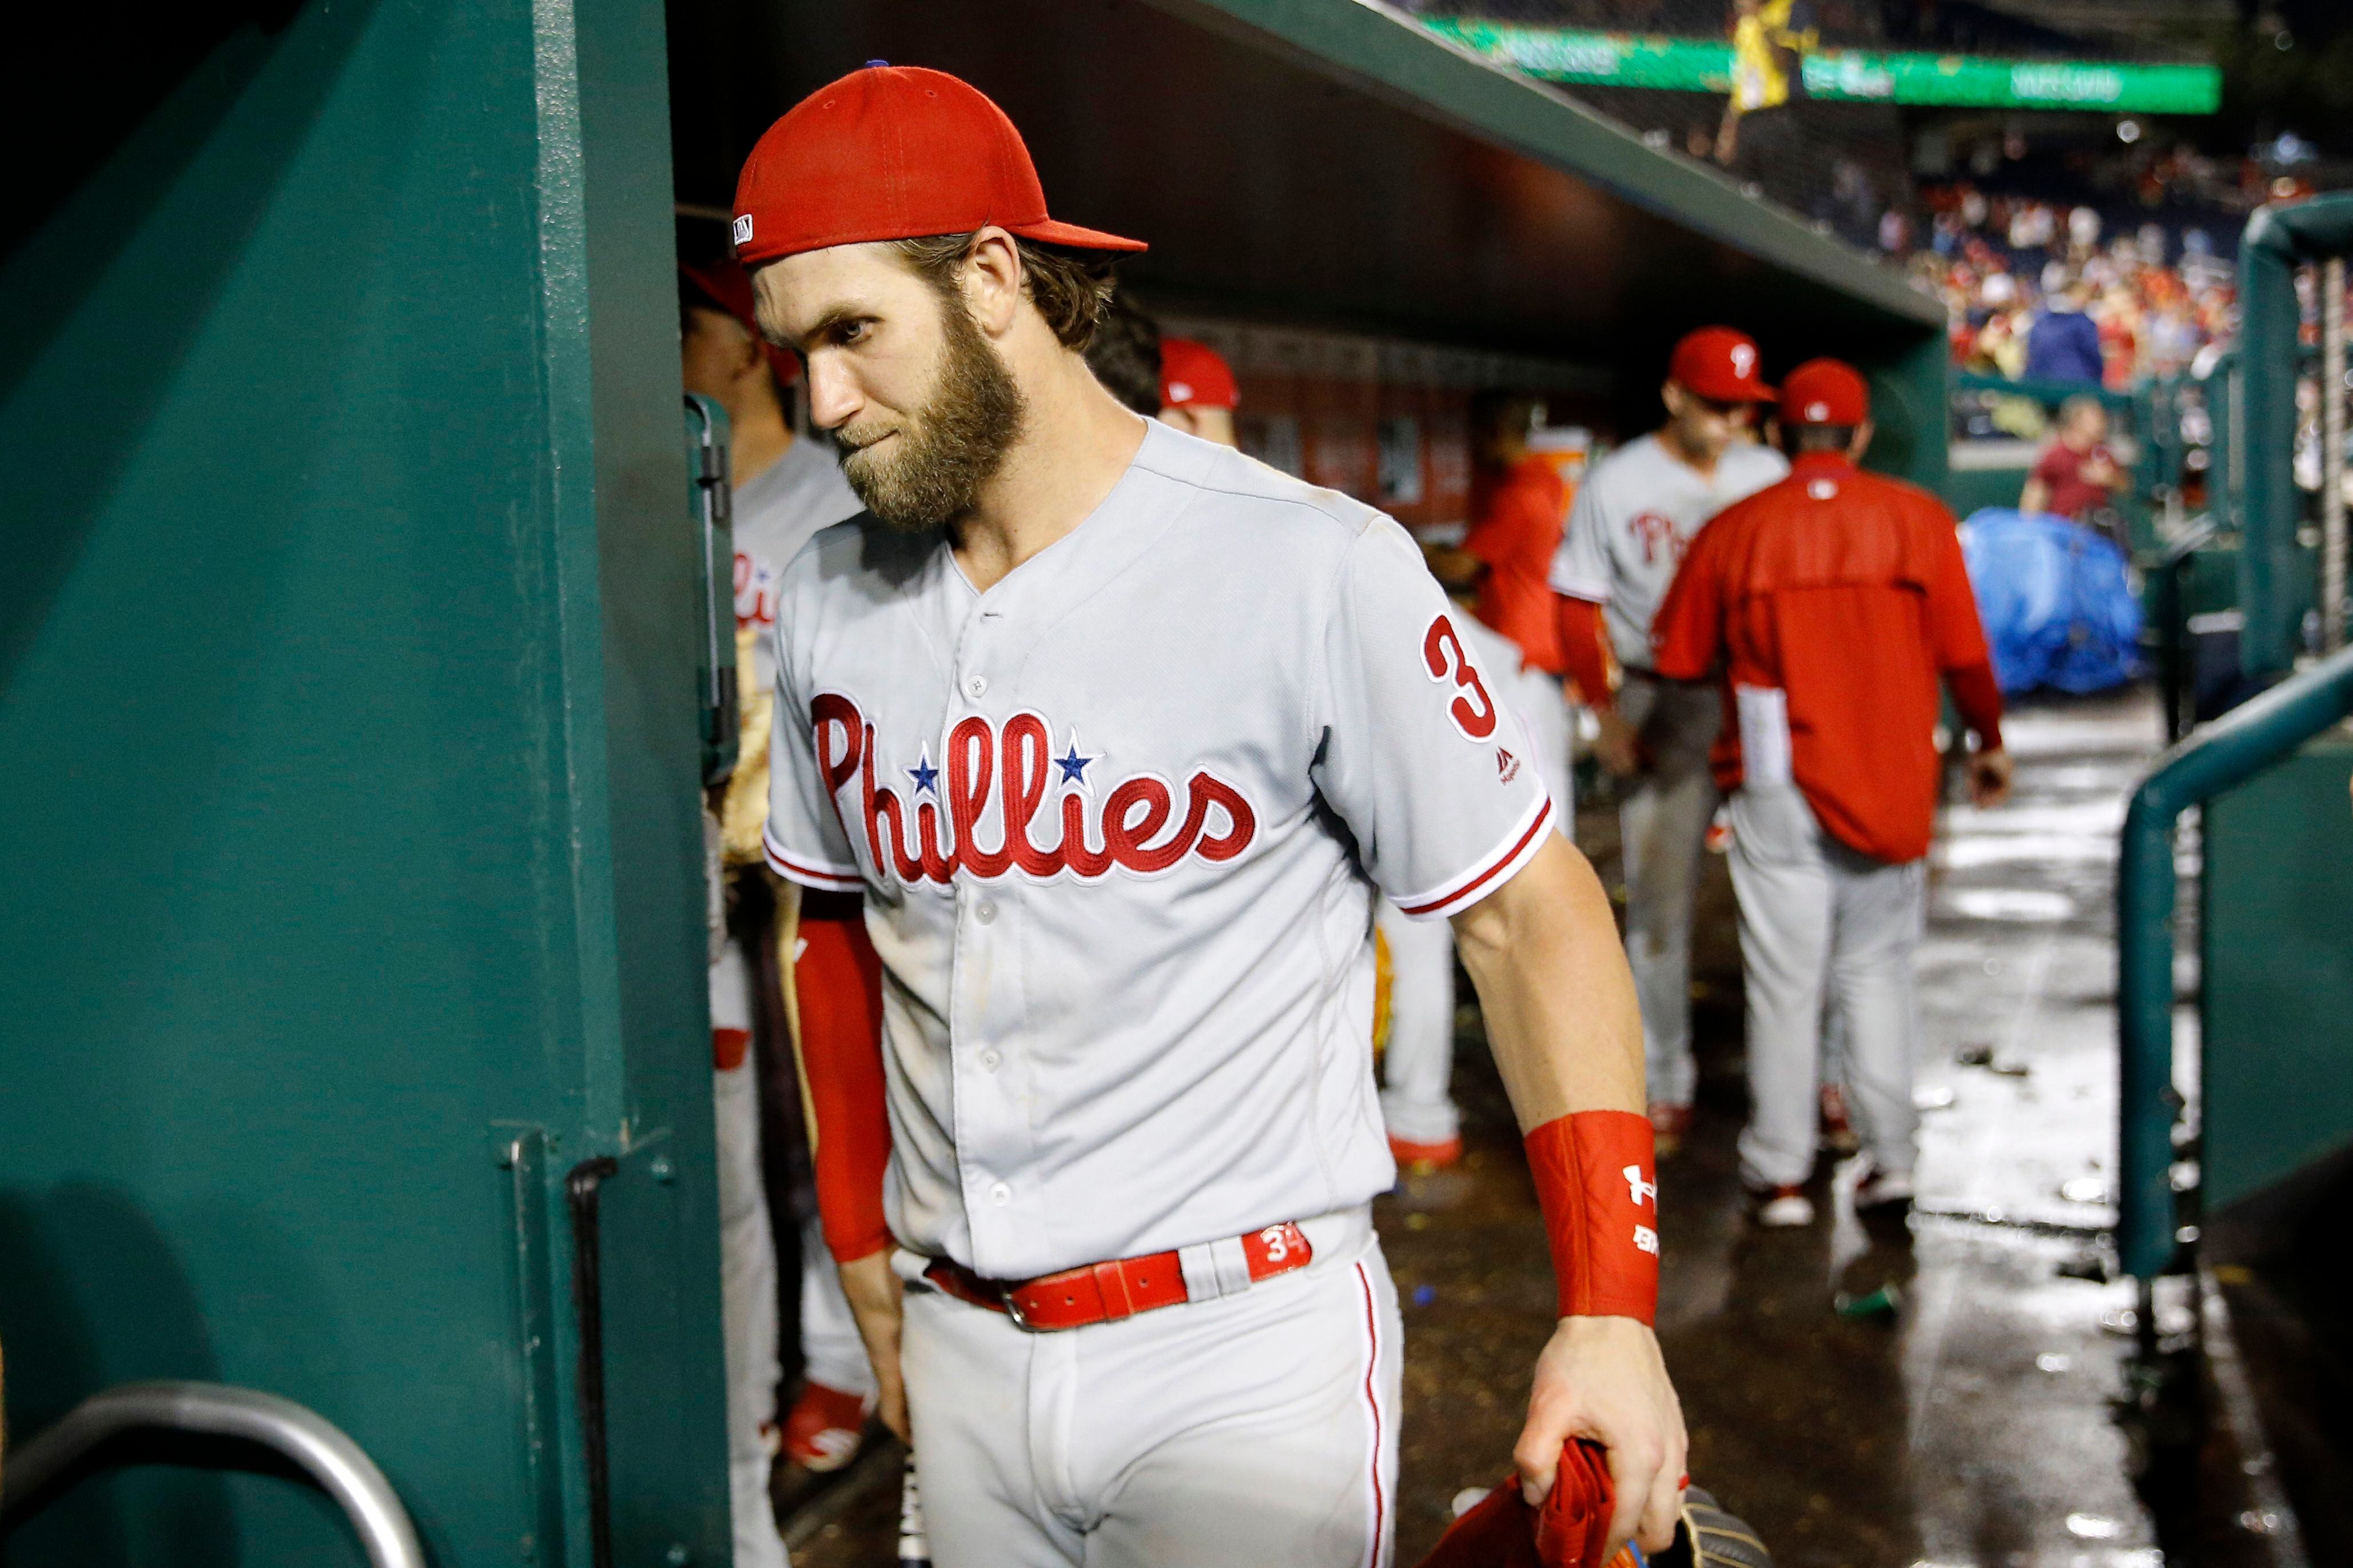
x: 934, y: 830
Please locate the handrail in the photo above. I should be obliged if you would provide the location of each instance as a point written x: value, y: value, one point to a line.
x: 2218, y: 757
x: 337, y: 1465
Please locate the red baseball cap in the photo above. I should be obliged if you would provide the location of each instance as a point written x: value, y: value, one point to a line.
x: 729, y: 287
x: 892, y: 153
x: 1195, y: 376
x: 1824, y: 391
x: 1720, y: 364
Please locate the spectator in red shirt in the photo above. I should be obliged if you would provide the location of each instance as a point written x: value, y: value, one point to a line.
x: 2077, y: 474
x: 1831, y: 603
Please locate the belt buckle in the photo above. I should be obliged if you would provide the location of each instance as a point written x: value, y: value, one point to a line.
x: 1012, y: 1304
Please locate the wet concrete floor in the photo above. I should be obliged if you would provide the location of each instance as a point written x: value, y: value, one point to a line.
x: 1973, y: 1424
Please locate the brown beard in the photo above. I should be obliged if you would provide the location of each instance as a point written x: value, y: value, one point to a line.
x: 949, y: 448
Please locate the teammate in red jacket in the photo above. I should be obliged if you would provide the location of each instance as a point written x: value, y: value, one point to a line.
x: 1831, y: 602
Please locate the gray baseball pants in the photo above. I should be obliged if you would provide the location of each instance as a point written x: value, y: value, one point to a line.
x: 1663, y: 829
x: 1252, y: 1428
x: 1822, y: 922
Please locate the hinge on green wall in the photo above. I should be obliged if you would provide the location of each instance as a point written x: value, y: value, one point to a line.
x: 520, y: 1150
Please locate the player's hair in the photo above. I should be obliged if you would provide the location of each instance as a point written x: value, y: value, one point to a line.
x: 1071, y: 289
x: 1124, y: 355
x: 1820, y: 437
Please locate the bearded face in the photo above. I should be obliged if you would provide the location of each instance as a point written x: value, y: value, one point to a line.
x: 921, y: 470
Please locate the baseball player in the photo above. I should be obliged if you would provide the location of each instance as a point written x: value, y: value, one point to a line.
x: 1198, y: 393
x: 1112, y: 820
x: 1635, y: 514
x: 1497, y: 573
x: 1832, y: 602
x: 785, y: 490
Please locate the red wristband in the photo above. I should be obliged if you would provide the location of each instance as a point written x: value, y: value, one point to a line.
x: 1596, y: 1180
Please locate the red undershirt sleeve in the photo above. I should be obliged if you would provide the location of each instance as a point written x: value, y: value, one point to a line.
x: 1585, y: 650
x: 1978, y: 697
x: 837, y: 986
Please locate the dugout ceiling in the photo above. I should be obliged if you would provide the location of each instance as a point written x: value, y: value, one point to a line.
x: 1324, y: 163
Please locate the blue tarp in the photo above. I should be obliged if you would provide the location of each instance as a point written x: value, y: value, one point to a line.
x: 2056, y: 600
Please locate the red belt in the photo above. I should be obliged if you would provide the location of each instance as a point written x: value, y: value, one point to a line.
x: 1103, y: 1292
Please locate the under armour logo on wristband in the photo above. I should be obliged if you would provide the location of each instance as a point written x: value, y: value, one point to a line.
x: 1646, y: 1240
x: 1637, y: 1190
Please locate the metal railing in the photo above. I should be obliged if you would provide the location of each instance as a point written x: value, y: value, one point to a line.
x: 2219, y: 757
x: 48, y: 1464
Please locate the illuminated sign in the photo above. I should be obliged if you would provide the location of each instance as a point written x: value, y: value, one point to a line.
x: 1849, y: 75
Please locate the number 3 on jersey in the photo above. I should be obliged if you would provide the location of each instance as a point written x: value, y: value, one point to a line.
x: 1473, y: 710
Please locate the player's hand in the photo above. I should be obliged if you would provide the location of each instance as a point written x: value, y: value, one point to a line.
x: 1603, y: 1378
x: 875, y: 1300
x: 1616, y: 744
x: 1990, y: 778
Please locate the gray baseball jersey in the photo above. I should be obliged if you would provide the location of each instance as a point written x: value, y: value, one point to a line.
x: 778, y: 511
x: 1118, y: 821
x: 1634, y: 517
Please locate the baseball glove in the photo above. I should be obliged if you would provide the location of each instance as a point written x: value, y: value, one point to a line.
x: 1710, y: 1538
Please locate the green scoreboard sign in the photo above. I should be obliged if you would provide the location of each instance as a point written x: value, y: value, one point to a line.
x: 1865, y: 76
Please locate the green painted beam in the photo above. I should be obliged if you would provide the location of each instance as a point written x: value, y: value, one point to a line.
x: 1387, y: 53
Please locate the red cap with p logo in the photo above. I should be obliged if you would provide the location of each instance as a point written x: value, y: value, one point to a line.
x: 892, y: 153
x: 1721, y: 366
x: 1825, y: 392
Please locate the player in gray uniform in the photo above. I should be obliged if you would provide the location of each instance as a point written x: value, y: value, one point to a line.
x: 1634, y: 518
x: 785, y: 490
x: 1112, y: 823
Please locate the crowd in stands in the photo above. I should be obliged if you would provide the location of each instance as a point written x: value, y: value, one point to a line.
x: 2040, y: 291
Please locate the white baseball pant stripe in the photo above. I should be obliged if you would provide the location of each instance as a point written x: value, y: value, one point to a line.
x: 1259, y: 1428
x: 1662, y: 830
x: 748, y: 1279
x: 1418, y: 1067
x: 1822, y: 922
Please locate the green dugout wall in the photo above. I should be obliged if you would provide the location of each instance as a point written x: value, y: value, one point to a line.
x: 348, y: 749
x: 346, y: 675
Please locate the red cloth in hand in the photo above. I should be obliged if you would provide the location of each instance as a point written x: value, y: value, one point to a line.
x: 838, y: 982
x: 1569, y: 1531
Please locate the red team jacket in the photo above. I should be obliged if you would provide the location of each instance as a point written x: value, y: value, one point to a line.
x: 1846, y: 590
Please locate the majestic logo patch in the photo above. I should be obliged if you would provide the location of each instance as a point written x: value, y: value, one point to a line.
x: 1507, y: 766
x: 992, y: 782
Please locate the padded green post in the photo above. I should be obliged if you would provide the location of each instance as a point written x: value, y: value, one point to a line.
x: 2277, y: 240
